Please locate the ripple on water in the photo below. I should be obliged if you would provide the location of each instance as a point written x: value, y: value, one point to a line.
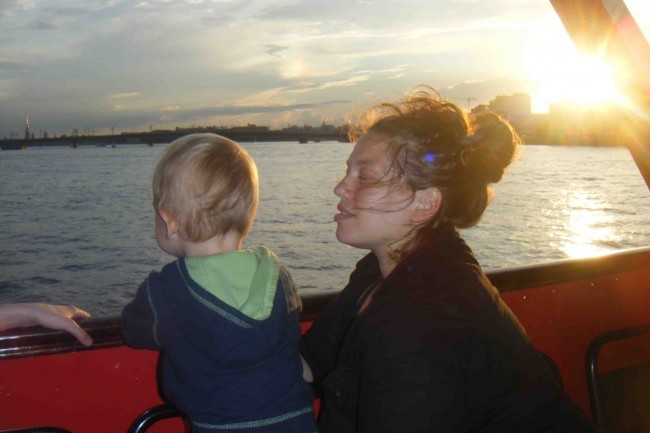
x: 8, y: 286
x: 41, y: 280
x: 78, y: 267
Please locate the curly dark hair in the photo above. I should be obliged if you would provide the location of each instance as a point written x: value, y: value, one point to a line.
x: 433, y: 143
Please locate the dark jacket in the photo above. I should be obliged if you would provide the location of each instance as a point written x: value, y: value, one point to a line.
x: 223, y: 369
x: 436, y: 350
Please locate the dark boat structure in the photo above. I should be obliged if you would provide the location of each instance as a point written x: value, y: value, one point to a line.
x: 591, y: 316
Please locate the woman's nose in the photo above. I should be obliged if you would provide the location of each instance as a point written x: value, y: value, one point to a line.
x: 341, y: 188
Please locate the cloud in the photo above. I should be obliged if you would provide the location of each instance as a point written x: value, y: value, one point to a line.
x: 397, y: 69
x: 352, y: 81
x: 394, y: 73
x: 228, y: 110
x: 273, y: 50
x: 45, y: 25
x: 11, y: 67
x: 171, y: 108
x: 389, y: 14
x: 285, y: 96
x: 11, y: 7
x: 275, y: 96
x: 80, y: 8
x: 123, y: 95
x: 483, y: 91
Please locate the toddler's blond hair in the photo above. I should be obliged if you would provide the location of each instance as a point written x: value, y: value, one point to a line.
x: 209, y: 184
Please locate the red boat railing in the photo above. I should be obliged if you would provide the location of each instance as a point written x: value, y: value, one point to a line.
x: 47, y: 378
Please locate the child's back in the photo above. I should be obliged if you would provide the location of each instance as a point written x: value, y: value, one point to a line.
x: 222, y: 368
x: 225, y: 319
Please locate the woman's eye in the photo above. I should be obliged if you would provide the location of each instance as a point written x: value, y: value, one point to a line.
x: 368, y: 180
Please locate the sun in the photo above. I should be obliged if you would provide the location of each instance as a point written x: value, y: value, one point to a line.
x: 559, y: 73
x: 579, y: 79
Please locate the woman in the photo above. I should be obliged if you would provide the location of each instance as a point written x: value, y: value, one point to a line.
x: 419, y: 339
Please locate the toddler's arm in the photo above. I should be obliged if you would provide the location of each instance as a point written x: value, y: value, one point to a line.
x: 139, y: 322
x: 50, y: 316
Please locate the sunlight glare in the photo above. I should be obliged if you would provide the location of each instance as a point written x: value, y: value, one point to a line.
x: 588, y: 228
x: 560, y: 73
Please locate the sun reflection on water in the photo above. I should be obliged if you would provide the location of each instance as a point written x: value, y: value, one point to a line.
x: 587, y: 230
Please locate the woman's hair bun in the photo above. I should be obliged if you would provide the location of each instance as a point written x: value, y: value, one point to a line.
x: 491, y: 148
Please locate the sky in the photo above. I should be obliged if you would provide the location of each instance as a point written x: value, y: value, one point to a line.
x: 114, y: 66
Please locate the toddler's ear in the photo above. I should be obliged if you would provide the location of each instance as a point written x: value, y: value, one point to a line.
x: 426, y: 204
x: 171, y: 225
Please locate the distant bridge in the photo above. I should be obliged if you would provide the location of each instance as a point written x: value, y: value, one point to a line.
x: 151, y: 138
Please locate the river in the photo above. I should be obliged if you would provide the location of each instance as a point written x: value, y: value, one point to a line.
x: 76, y: 225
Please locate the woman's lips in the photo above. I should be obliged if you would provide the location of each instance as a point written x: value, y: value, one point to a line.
x: 343, y: 214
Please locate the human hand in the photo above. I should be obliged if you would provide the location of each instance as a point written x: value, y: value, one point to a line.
x: 58, y: 317
x: 307, y: 375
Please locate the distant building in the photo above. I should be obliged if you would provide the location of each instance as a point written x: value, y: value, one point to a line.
x: 511, y: 106
x: 28, y: 135
x: 481, y: 108
x: 250, y: 127
x: 325, y: 128
x: 584, y: 124
x: 532, y: 128
x: 517, y: 109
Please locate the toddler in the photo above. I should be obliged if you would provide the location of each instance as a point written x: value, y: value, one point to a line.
x: 225, y: 319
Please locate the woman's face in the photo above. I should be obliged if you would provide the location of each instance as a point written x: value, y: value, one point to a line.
x: 375, y: 203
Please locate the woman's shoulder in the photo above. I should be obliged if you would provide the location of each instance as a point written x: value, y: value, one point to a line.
x: 446, y: 274
x: 449, y: 248
x: 447, y: 259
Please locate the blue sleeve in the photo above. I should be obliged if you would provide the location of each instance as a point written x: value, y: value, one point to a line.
x: 138, y: 324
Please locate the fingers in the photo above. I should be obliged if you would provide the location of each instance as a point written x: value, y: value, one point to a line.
x: 64, y: 322
x: 79, y: 333
x: 78, y: 313
x: 60, y: 317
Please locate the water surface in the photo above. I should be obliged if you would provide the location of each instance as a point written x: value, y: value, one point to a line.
x: 76, y: 225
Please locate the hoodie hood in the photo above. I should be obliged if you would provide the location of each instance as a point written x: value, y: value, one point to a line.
x: 227, y: 306
x: 244, y: 279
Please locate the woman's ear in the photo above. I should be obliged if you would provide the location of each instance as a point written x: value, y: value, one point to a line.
x: 426, y: 204
x: 171, y: 227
